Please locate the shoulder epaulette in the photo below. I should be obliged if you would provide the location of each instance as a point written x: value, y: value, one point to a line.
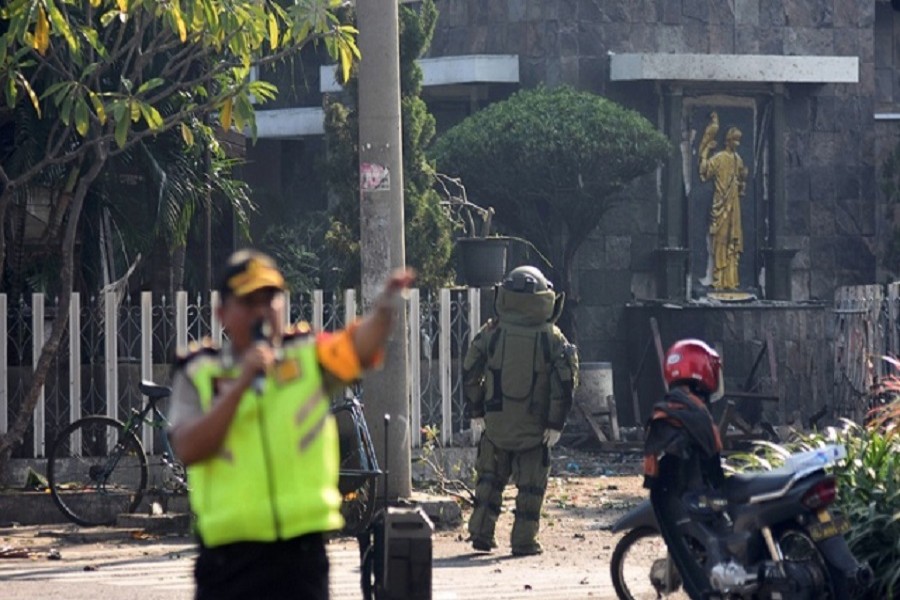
x: 300, y: 329
x: 195, y: 349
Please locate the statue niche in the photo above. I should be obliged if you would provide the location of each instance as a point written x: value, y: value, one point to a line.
x: 723, y: 225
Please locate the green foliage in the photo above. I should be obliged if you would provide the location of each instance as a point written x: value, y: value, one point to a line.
x: 91, y: 86
x: 112, y: 67
x: 551, y: 162
x: 428, y: 228
x: 868, y: 491
x: 298, y: 249
x: 105, y: 75
x: 556, y: 152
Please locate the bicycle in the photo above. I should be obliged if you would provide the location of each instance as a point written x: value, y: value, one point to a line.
x: 359, y: 470
x: 97, y: 466
x: 107, y: 476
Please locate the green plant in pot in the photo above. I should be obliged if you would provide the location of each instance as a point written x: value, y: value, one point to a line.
x: 481, y: 257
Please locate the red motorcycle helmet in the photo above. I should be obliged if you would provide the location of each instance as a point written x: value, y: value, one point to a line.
x: 694, y: 362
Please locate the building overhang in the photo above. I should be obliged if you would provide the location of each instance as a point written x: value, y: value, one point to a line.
x: 291, y: 123
x: 448, y: 70
x: 287, y: 123
x: 746, y: 68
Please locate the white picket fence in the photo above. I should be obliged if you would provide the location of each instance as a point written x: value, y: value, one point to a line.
x: 120, y: 343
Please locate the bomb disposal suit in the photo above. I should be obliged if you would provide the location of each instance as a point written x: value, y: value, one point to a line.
x: 520, y: 374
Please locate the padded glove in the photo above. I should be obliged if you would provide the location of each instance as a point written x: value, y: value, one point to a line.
x: 551, y: 436
x: 477, y: 425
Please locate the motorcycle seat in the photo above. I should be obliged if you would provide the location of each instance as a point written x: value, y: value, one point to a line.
x: 742, y: 486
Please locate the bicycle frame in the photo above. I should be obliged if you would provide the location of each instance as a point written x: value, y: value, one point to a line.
x: 158, y: 421
x: 151, y: 415
x: 359, y: 469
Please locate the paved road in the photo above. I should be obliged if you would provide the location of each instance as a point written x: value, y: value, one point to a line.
x: 165, y: 574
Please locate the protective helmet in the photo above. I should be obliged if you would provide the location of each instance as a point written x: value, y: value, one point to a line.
x: 527, y: 280
x: 695, y: 362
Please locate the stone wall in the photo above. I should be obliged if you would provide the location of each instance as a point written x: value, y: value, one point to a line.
x: 799, y: 332
x: 887, y: 130
x: 832, y: 215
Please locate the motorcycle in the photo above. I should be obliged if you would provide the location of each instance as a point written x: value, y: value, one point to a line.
x: 765, y: 535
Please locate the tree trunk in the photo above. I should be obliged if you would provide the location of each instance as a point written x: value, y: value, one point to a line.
x: 568, y: 322
x: 16, y: 433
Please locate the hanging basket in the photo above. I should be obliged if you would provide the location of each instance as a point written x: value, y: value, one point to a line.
x: 482, y: 261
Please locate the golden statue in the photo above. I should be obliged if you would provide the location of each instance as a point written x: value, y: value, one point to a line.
x: 726, y: 237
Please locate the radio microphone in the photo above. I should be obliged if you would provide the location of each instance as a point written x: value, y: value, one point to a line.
x: 259, y: 335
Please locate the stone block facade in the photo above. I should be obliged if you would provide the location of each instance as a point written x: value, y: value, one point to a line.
x: 834, y: 214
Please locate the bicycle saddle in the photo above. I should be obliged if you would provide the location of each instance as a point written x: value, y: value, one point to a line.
x: 152, y: 390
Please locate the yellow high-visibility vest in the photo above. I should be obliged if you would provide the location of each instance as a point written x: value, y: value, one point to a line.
x: 276, y: 475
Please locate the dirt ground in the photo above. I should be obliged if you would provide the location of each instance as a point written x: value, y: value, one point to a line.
x: 586, y: 493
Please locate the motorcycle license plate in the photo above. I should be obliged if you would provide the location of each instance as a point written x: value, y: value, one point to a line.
x: 828, y: 525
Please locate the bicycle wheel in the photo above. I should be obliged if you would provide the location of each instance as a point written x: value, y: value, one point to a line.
x: 641, y: 569
x: 96, y: 471
x: 358, y: 505
x: 358, y: 469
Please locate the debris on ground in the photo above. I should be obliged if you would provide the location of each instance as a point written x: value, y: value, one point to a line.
x: 12, y: 552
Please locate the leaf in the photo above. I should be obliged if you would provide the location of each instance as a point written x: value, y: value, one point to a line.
x: 34, y: 99
x: 135, y: 110
x: 10, y: 92
x: 107, y: 17
x: 65, y: 111
x: 179, y: 21
x: 41, y: 38
x: 225, y: 116
x: 59, y: 86
x: 273, y: 31
x: 150, y: 84
x: 62, y: 26
x: 118, y: 110
x: 346, y: 63
x: 95, y: 3
x: 93, y: 38
x: 99, y: 109
x: 82, y: 117
x: 151, y: 116
x: 187, y: 135
x: 122, y: 132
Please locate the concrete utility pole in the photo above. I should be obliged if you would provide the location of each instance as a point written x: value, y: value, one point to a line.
x: 382, y: 246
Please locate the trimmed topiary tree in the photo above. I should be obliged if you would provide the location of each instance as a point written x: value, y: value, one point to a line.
x: 551, y: 162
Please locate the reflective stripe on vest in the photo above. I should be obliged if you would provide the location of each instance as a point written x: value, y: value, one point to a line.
x: 276, y: 474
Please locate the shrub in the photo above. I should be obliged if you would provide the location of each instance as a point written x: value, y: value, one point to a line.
x: 868, y: 489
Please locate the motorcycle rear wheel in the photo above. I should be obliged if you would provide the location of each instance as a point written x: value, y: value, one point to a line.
x: 798, y: 547
x: 641, y: 568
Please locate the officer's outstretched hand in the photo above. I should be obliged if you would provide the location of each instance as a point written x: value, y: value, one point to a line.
x: 551, y: 437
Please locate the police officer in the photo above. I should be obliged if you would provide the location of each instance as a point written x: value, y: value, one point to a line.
x: 520, y: 375
x: 252, y: 422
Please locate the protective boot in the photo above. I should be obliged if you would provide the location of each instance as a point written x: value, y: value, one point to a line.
x: 532, y: 469
x: 493, y: 469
